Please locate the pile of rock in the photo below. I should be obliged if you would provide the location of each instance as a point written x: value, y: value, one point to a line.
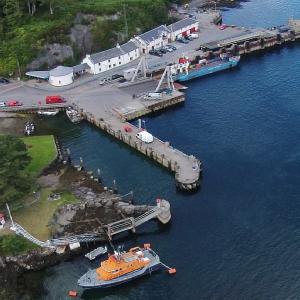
x: 93, y: 210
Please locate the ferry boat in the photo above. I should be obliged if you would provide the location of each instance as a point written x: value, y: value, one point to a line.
x: 184, y: 70
x: 121, y: 267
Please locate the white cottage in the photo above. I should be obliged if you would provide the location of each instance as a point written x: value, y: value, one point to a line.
x: 61, y: 76
x: 112, y: 58
x: 153, y: 39
x: 183, y: 27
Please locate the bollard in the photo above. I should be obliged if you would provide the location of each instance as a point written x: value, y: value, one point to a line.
x: 99, y: 174
x: 115, y: 190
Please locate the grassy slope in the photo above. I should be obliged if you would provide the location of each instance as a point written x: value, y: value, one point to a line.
x: 14, y: 245
x: 42, y: 150
x: 36, y: 217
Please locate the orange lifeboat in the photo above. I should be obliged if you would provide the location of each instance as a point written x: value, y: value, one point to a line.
x: 120, y: 264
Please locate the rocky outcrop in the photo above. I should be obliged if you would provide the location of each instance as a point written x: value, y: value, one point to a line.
x: 11, y: 267
x: 93, y: 208
x: 81, y: 37
x: 51, y: 55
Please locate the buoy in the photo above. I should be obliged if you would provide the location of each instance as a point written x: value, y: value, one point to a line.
x: 172, y: 271
x: 72, y: 293
x: 147, y: 246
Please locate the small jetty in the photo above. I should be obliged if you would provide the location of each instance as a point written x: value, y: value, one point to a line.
x: 96, y: 252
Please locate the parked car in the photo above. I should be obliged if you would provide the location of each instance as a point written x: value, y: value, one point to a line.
x: 163, y: 50
x: 103, y: 81
x: 158, y: 53
x: 223, y: 26
x: 171, y: 47
x: 54, y: 99
x: 2, y: 104
x: 4, y: 80
x: 12, y: 103
x: 194, y: 35
x: 152, y: 52
x: 182, y: 40
x: 188, y: 37
x: 116, y: 76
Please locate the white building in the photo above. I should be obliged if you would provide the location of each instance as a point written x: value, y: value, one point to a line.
x: 112, y: 58
x: 153, y: 39
x: 183, y: 27
x: 61, y: 76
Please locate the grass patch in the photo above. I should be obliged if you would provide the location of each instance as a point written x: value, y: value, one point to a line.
x: 42, y: 150
x: 14, y: 245
x: 36, y: 217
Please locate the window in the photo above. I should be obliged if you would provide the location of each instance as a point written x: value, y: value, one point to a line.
x: 114, y: 65
x: 119, y: 62
x: 109, y: 66
x: 130, y: 58
x: 109, y: 60
x: 119, y: 57
x: 99, y: 64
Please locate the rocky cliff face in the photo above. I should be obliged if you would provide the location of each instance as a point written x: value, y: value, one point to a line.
x: 11, y: 267
x: 51, y: 55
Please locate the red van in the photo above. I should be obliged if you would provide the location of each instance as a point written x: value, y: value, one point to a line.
x: 54, y: 99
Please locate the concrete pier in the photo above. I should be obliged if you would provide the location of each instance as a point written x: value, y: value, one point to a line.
x: 187, y: 168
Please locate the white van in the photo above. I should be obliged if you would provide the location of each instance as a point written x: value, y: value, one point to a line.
x: 145, y: 136
x: 153, y: 96
x: 194, y: 35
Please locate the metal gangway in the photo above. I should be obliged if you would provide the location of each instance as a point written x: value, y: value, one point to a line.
x: 108, y: 231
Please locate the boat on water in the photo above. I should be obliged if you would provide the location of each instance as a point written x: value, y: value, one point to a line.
x: 96, y: 252
x: 48, y: 113
x: 185, y: 70
x: 29, y: 128
x: 121, y: 267
x: 73, y: 115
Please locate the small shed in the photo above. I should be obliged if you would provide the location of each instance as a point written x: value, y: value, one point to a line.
x: 61, y: 76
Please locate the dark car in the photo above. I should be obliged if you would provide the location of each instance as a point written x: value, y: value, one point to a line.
x: 152, y: 52
x: 158, y: 53
x: 172, y: 47
x: 188, y: 37
x: 4, y: 80
x: 116, y: 76
x: 163, y: 50
x: 182, y: 40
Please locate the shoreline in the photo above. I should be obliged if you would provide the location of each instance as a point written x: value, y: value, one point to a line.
x: 94, y: 199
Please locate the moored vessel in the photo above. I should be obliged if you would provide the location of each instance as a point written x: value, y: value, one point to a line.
x: 73, y: 115
x: 185, y: 70
x: 121, y: 267
x: 48, y: 113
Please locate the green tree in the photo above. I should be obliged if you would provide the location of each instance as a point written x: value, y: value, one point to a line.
x: 14, y: 180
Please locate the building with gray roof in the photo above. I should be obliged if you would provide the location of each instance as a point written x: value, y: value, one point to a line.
x: 154, y: 34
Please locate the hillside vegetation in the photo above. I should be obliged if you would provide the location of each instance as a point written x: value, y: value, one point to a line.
x: 27, y: 25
